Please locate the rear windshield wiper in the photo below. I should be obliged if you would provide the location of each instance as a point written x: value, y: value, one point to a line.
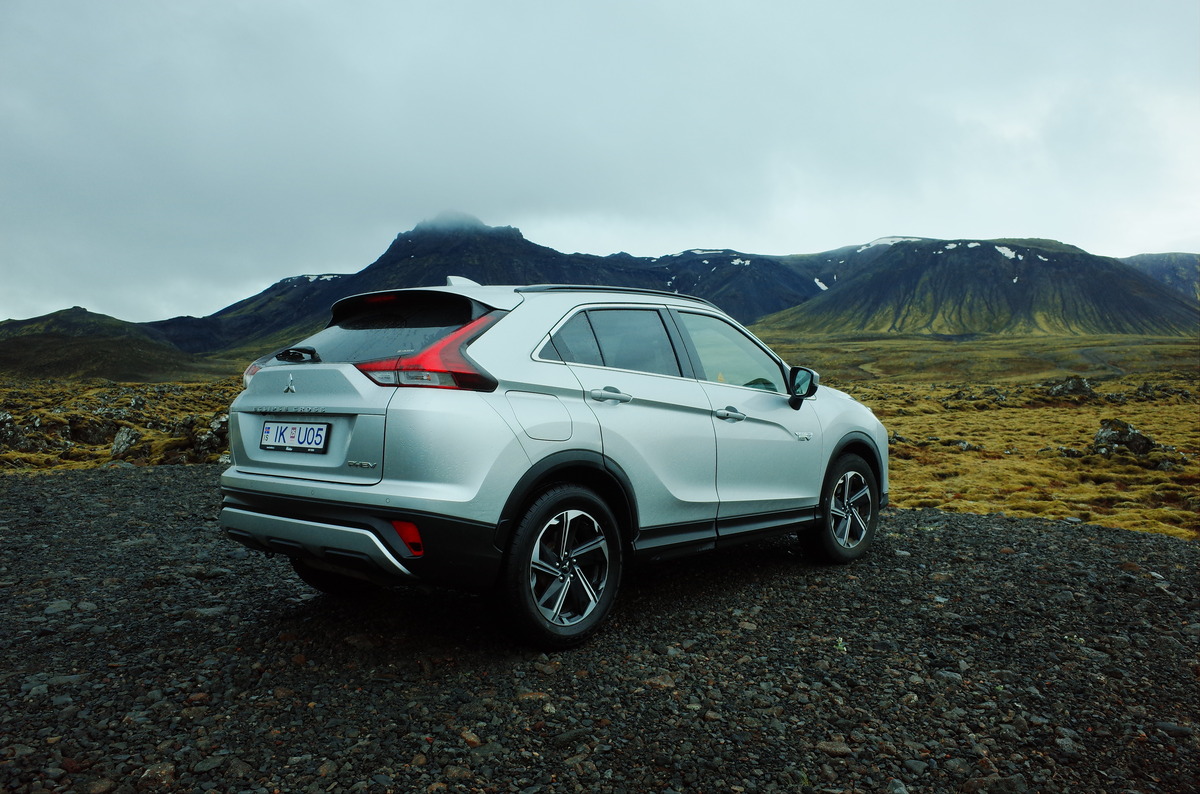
x: 297, y: 354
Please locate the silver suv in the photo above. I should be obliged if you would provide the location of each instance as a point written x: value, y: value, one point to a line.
x: 536, y: 440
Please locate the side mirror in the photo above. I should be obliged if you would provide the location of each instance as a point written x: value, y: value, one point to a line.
x: 802, y: 383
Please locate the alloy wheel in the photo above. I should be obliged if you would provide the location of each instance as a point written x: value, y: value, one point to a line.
x: 568, y: 569
x: 850, y: 509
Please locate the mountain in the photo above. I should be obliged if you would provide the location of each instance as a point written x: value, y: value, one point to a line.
x: 894, y: 284
x: 963, y: 287
x: 747, y: 286
x: 76, y: 343
x: 283, y: 312
x: 1178, y: 271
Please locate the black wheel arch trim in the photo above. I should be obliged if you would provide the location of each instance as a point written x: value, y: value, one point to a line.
x: 542, y: 474
x: 853, y: 442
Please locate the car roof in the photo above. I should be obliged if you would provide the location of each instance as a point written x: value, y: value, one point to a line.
x: 508, y: 297
x: 616, y: 290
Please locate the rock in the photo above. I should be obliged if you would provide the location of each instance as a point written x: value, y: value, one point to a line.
x: 997, y: 670
x: 1117, y: 433
x: 1175, y: 730
x: 1069, y: 747
x: 55, y: 607
x: 962, y: 444
x: 835, y: 749
x: 10, y: 435
x: 158, y: 777
x: 1073, y: 386
x: 960, y: 767
x: 124, y: 441
x: 239, y: 768
x: 949, y: 677
x: 995, y: 784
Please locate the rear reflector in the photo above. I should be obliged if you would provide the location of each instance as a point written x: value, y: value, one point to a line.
x: 411, y: 536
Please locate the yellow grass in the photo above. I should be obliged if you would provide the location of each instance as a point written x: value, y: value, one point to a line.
x: 70, y: 424
x: 1019, y: 468
x: 1027, y: 454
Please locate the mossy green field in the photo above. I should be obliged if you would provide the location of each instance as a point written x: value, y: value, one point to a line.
x: 979, y: 425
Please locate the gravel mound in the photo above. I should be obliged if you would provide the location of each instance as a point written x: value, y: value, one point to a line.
x: 143, y: 652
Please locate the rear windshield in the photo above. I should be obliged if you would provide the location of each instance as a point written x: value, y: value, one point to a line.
x: 386, y: 326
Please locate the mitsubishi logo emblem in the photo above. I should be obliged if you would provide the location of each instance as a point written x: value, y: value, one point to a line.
x: 291, y: 387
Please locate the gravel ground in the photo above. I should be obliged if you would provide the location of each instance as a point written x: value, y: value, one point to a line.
x: 141, y: 651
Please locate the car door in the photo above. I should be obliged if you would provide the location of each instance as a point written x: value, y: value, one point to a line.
x: 655, y: 424
x: 769, y: 469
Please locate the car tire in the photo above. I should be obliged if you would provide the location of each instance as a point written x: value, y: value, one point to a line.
x: 563, y: 568
x: 330, y: 583
x: 849, y: 513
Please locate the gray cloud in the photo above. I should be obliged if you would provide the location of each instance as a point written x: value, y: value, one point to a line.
x: 160, y: 159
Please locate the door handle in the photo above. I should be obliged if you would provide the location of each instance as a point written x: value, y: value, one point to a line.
x: 610, y: 393
x: 730, y: 413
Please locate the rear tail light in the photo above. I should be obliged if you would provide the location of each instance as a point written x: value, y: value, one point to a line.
x: 254, y: 367
x: 442, y: 365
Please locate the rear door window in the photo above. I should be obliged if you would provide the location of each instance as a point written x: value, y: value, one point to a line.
x: 634, y: 339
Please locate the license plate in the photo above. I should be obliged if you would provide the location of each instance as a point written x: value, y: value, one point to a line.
x: 295, y: 437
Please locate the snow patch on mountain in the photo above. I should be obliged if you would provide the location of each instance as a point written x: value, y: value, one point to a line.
x: 297, y: 280
x: 888, y: 241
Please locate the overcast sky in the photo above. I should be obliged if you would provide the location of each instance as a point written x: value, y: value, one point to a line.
x: 160, y: 159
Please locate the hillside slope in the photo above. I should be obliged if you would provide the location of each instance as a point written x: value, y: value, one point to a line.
x: 1178, y: 271
x: 893, y: 284
x: 993, y: 287
x: 76, y: 343
x: 748, y: 286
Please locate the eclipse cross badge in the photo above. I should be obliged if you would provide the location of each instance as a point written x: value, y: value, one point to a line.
x: 290, y: 388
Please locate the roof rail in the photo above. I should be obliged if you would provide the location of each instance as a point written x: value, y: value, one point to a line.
x: 601, y: 288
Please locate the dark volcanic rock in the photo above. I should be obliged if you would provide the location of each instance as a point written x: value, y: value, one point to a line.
x: 1118, y: 433
x: 142, y: 651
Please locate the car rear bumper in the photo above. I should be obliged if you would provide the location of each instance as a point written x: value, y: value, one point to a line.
x: 361, y: 541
